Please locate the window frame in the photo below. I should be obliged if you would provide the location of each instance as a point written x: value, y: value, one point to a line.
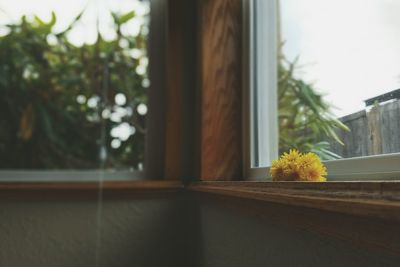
x: 259, y: 120
x: 375, y: 167
x: 154, y: 140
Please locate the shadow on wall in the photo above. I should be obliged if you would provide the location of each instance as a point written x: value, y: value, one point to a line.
x: 240, y: 235
x: 62, y: 232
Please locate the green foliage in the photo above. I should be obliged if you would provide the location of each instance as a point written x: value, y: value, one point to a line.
x: 305, y: 118
x: 42, y: 125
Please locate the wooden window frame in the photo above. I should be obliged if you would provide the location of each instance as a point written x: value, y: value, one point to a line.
x: 199, y: 87
x: 202, y: 139
x: 374, y: 203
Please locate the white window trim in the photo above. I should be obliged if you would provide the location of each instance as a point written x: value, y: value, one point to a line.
x: 259, y: 151
x: 154, y: 156
x: 377, y: 167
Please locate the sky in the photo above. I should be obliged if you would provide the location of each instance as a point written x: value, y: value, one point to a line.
x: 349, y: 49
x: 66, y: 11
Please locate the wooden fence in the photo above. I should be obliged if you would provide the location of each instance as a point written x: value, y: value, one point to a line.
x: 373, y: 132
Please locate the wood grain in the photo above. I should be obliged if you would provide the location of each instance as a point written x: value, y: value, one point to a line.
x: 374, y: 132
x: 390, y: 127
x: 382, y: 124
x: 370, y: 233
x: 220, y: 35
x: 356, y: 141
x: 88, y: 190
x: 369, y: 199
x: 134, y: 185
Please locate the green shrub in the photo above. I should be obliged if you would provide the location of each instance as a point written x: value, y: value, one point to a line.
x: 45, y: 85
x: 305, y: 118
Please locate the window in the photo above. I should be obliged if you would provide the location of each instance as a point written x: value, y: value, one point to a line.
x: 260, y: 109
x: 329, y: 85
x: 73, y: 89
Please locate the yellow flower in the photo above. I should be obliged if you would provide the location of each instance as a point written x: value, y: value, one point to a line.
x: 311, y: 168
x: 294, y: 166
x: 291, y: 170
x: 277, y: 170
x: 292, y: 156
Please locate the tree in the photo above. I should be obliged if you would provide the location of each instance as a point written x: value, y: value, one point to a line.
x: 57, y: 107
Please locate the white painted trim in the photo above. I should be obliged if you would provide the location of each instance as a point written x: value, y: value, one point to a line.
x: 265, y: 88
x: 259, y: 86
x: 258, y: 174
x: 368, y: 168
x: 378, y: 167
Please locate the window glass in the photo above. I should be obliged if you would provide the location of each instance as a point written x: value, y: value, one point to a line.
x: 339, y: 74
x: 73, y: 84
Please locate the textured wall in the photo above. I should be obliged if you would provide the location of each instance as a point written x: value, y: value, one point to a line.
x: 234, y: 237
x: 62, y: 233
x: 162, y: 231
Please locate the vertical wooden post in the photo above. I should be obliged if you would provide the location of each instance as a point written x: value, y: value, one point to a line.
x: 220, y: 83
x: 174, y: 70
x: 180, y: 90
x: 155, y: 123
x: 389, y: 115
x: 374, y: 131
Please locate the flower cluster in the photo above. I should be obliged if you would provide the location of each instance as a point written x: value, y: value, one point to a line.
x: 295, y: 166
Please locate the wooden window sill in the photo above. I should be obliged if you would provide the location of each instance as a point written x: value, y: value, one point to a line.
x: 373, y: 199
x: 147, y: 185
x: 366, y: 214
x: 88, y: 190
x: 380, y: 199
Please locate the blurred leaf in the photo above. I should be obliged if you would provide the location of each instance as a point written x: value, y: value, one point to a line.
x: 72, y: 24
x: 49, y: 24
x: 27, y: 123
x: 126, y: 17
x: 304, y: 117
